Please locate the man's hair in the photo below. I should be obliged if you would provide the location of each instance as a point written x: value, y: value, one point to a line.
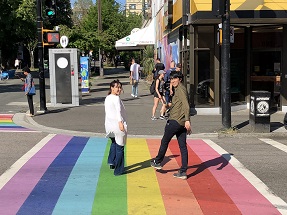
x: 175, y: 74
x: 26, y: 69
x: 158, y: 59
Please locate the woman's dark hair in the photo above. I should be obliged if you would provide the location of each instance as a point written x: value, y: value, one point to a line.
x: 112, y: 84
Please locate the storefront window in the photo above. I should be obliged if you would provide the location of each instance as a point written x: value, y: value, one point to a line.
x: 204, y: 77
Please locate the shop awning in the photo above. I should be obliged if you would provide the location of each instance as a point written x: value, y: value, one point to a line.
x: 138, y: 40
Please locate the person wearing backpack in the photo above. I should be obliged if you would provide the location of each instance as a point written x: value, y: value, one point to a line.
x: 158, y: 66
x: 159, y: 95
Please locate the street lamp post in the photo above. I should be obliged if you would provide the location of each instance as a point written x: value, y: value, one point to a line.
x: 43, y: 107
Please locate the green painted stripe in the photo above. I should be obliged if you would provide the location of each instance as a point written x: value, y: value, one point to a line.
x: 111, y: 193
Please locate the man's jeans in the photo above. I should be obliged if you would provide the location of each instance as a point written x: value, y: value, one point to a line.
x: 173, y: 128
x: 135, y: 88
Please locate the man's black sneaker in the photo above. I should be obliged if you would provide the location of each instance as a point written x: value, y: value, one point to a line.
x: 180, y: 174
x: 112, y: 166
x: 155, y: 165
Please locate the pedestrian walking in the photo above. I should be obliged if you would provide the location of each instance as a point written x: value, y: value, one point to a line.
x: 29, y: 88
x: 134, y: 78
x: 159, y: 96
x: 116, y: 127
x: 17, y: 63
x: 158, y: 66
x: 178, y: 124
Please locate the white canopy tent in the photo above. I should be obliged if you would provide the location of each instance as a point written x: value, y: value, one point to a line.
x: 139, y: 39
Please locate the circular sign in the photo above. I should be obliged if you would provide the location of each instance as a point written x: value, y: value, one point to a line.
x: 64, y: 41
x: 262, y: 107
x: 62, y: 62
x: 128, y: 39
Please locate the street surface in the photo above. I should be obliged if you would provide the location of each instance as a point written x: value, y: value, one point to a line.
x: 44, y: 169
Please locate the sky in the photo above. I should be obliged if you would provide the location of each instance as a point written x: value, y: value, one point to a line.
x: 122, y: 2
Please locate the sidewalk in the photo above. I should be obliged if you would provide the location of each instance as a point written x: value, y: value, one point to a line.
x: 89, y: 116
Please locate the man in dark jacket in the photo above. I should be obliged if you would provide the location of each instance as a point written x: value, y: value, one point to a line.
x: 178, y: 124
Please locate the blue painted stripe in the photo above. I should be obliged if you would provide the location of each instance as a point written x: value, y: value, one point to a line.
x: 10, y: 126
x: 79, y: 192
x: 43, y: 198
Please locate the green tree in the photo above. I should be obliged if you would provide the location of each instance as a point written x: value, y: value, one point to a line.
x: 26, y: 15
x: 80, y: 10
x: 115, y: 25
x: 8, y: 31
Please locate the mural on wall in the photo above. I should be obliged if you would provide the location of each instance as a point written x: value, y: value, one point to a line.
x: 166, y: 52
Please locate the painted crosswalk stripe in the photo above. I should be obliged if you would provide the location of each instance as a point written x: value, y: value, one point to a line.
x: 276, y: 144
x: 171, y: 187
x: 16, y: 190
x: 111, y: 191
x: 254, y: 180
x: 39, y: 202
x: 6, y: 176
x: 144, y: 196
x: 78, y: 194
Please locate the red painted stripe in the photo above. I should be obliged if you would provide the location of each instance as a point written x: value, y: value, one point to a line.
x: 241, y: 191
x: 6, y: 116
x: 208, y: 192
x: 176, y: 194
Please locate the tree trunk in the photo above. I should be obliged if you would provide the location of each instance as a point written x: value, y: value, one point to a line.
x: 32, y: 58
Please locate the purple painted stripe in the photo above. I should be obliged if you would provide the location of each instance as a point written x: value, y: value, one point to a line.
x: 13, y: 129
x: 16, y: 191
x: 246, y: 197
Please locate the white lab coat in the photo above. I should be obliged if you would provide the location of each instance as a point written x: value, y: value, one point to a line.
x: 115, y: 112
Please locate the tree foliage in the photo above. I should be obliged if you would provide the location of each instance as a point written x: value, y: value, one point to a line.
x: 18, y: 25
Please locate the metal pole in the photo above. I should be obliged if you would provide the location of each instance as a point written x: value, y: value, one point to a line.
x: 43, y: 107
x: 225, y: 68
x: 100, y: 29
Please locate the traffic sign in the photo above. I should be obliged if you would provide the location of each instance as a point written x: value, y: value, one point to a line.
x: 64, y: 41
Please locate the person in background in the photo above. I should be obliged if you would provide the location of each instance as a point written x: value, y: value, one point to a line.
x: 17, y: 63
x: 178, y: 124
x: 168, y: 86
x: 116, y: 127
x: 159, y: 96
x: 158, y: 66
x: 29, y: 84
x: 134, y: 78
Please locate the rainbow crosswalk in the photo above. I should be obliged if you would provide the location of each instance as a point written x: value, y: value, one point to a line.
x: 69, y: 175
x: 7, y: 124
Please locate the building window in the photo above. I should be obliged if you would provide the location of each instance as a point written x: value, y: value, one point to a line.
x: 133, y: 6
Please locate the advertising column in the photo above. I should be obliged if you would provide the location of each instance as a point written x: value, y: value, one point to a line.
x: 85, y: 68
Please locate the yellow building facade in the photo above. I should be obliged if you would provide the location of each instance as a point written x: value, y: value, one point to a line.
x: 188, y: 31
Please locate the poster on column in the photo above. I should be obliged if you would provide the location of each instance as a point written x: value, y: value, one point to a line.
x: 84, y: 62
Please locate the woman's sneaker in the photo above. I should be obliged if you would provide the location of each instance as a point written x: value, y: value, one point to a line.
x: 181, y: 175
x: 162, y: 117
x: 153, y: 118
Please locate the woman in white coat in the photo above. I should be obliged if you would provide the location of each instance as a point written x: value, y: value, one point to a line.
x: 116, y: 127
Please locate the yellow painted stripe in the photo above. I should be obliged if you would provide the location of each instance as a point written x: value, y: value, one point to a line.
x: 144, y: 196
x: 5, y: 120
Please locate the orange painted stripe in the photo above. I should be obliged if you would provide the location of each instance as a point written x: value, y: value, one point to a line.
x: 208, y: 192
x: 176, y: 193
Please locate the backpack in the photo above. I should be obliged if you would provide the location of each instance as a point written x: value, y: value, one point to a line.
x: 152, y: 87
